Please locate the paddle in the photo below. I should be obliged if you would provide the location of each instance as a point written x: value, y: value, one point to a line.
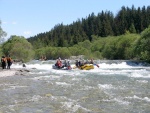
x: 96, y: 65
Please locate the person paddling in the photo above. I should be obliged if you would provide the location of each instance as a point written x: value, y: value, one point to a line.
x: 68, y: 65
x: 92, y: 62
x: 59, y: 63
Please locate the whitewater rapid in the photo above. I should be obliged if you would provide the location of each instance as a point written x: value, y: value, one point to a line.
x: 116, y: 87
x: 106, y: 68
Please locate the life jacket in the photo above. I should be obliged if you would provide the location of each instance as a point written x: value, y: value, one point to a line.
x: 59, y: 63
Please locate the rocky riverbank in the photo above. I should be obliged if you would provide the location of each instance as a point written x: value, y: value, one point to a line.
x: 12, y: 72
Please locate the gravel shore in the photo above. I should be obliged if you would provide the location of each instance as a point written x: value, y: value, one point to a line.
x: 7, y: 72
x: 12, y: 72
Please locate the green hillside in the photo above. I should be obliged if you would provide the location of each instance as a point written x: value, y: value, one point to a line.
x: 103, y: 24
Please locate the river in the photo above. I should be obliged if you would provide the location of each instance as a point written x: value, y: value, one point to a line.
x: 115, y: 87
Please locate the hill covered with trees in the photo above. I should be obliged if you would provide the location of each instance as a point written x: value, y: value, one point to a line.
x: 103, y: 24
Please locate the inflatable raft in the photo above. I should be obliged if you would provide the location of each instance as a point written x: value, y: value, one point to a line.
x: 62, y: 68
x: 85, y: 67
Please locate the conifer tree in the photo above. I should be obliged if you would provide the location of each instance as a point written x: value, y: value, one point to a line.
x: 132, y: 28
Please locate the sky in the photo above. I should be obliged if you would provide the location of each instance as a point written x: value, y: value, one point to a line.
x: 30, y: 17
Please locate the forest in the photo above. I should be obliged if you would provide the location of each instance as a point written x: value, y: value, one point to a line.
x: 124, y: 36
x: 103, y: 24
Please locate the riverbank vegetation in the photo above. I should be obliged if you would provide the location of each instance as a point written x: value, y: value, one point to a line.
x: 19, y: 48
x: 112, y: 47
x: 124, y: 47
x: 102, y: 36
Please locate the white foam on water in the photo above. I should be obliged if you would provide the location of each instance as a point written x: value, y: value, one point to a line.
x: 16, y: 65
x: 73, y: 106
x: 12, y: 107
x: 76, y: 79
x: 139, y: 75
x: 39, y: 73
x: 5, y: 84
x: 41, y: 78
x: 142, y: 81
x: 14, y: 87
x: 121, y: 101
x: 61, y: 72
x: 55, y: 77
x: 35, y: 98
x: 138, y: 98
x: 63, y: 84
x: 88, y: 87
x: 105, y: 86
x: 78, y: 73
x: 121, y: 68
x: 47, y: 65
x: 114, y: 65
x: 33, y: 66
x: 146, y: 99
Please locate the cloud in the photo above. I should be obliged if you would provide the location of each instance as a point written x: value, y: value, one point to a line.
x: 27, y: 32
x: 14, y: 22
x: 4, y: 22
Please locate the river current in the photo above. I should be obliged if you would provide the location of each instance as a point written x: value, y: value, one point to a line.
x: 114, y: 87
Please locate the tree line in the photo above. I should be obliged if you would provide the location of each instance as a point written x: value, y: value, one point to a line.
x: 103, y: 24
x: 124, y: 47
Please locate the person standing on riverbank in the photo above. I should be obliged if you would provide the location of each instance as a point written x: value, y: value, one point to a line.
x: 9, y: 62
x: 3, y: 62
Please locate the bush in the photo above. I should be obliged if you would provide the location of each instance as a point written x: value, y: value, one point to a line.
x: 18, y: 48
x: 142, y: 48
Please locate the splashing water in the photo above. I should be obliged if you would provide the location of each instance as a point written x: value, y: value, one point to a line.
x: 117, y: 86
